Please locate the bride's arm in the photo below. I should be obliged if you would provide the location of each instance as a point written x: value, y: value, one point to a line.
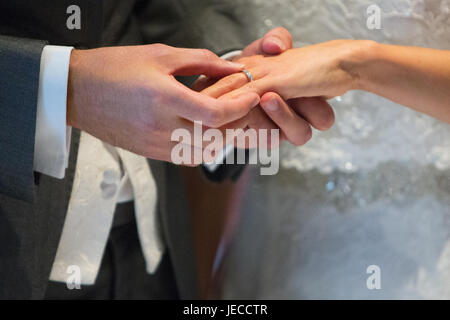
x: 415, y: 77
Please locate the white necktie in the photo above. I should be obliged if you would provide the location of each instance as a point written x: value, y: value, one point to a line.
x: 95, y: 192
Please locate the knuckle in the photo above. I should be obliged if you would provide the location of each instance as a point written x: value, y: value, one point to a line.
x: 206, y: 54
x: 160, y: 52
x: 159, y: 46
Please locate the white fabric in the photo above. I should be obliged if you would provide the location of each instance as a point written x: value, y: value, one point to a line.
x: 126, y: 192
x: 90, y: 212
x: 52, y: 141
x: 92, y: 204
x: 145, y: 198
x: 232, y: 54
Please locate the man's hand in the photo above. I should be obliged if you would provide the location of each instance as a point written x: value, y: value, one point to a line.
x: 294, y: 117
x: 128, y: 96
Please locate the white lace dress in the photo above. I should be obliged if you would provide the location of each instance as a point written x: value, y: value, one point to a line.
x: 374, y: 190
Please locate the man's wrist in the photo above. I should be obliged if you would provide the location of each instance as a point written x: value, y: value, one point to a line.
x: 71, y: 84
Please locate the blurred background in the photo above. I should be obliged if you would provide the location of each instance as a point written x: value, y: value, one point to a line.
x: 373, y: 190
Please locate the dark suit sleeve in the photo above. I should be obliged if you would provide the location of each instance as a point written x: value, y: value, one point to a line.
x: 19, y: 83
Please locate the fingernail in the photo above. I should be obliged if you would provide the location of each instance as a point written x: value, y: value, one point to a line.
x: 279, y: 43
x: 236, y: 65
x: 271, y: 105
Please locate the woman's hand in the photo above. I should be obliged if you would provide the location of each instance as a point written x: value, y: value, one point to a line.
x: 415, y: 77
x: 294, y: 118
x: 320, y: 70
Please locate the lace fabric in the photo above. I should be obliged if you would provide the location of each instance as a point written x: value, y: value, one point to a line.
x: 370, y: 131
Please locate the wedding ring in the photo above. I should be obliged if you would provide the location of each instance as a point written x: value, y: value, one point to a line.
x: 248, y: 75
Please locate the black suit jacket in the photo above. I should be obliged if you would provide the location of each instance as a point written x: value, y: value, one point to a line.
x: 33, y: 206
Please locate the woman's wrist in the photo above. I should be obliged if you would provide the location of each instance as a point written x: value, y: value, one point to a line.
x: 357, y: 61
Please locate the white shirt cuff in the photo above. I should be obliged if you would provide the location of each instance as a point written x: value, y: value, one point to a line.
x: 52, y: 140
